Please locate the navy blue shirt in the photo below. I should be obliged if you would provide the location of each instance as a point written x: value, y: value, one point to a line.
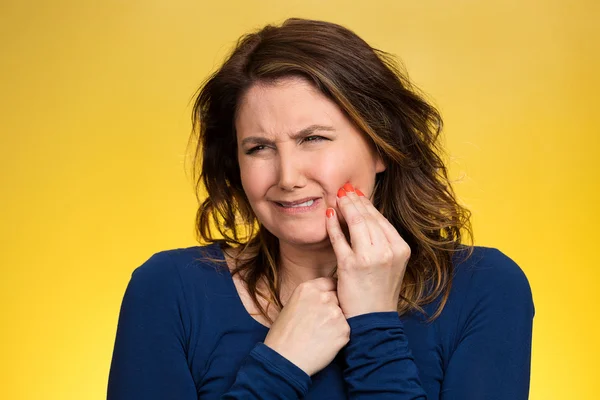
x: 184, y: 334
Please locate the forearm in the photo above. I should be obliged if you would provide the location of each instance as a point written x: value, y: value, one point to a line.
x: 379, y: 363
x: 265, y: 374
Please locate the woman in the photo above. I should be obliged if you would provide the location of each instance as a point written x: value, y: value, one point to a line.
x: 341, y: 273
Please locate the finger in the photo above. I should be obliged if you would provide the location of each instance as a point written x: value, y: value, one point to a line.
x: 390, y: 232
x: 376, y: 233
x: 357, y: 225
x: 330, y: 297
x: 325, y: 284
x: 340, y: 245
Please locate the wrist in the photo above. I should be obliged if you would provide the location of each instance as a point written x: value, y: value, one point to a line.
x: 365, y: 322
x: 289, y: 357
x: 357, y: 311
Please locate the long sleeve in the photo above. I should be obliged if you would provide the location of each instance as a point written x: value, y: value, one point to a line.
x: 378, y: 362
x: 493, y: 357
x: 150, y: 353
x: 149, y: 357
x: 489, y: 331
x: 266, y: 374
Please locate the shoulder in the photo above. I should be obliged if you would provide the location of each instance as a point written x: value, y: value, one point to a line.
x: 178, y: 260
x: 491, y: 278
x: 489, y: 267
x: 173, y: 269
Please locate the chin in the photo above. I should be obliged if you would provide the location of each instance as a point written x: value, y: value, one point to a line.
x: 302, y: 235
x: 304, y: 240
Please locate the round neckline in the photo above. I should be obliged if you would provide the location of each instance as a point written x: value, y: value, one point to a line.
x: 232, y: 286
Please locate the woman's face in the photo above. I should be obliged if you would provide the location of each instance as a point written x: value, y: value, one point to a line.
x: 296, y: 148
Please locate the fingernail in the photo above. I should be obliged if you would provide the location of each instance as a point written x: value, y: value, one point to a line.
x: 358, y: 192
x: 348, y: 187
x: 341, y: 193
x: 329, y: 212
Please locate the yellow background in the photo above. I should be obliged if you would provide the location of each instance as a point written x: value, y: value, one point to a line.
x: 95, y: 109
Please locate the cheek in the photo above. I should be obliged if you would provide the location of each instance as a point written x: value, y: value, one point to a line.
x: 336, y: 168
x: 255, y: 179
x: 332, y: 170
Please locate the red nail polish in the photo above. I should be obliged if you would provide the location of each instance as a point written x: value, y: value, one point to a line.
x: 358, y: 192
x: 341, y: 193
x: 348, y: 187
x: 329, y: 212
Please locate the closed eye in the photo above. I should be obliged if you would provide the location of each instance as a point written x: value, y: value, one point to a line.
x: 307, y: 139
x: 255, y: 149
x: 314, y: 138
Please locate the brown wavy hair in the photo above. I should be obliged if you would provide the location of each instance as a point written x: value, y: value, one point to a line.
x: 413, y: 193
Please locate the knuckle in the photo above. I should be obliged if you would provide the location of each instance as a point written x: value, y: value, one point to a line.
x: 325, y: 297
x: 337, y: 237
x: 333, y: 314
x: 363, y: 259
x: 404, y: 250
x: 387, y: 256
x: 336, y: 314
x: 368, y: 217
x: 356, y: 219
x: 364, y: 200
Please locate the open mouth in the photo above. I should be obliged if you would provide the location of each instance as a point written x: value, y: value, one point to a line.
x: 306, y: 204
x: 292, y: 205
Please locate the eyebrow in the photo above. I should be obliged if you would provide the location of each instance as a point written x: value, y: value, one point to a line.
x: 301, y: 133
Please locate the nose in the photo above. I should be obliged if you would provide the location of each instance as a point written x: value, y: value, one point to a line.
x: 291, y: 172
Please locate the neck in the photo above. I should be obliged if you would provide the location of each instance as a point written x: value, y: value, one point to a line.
x: 299, y: 264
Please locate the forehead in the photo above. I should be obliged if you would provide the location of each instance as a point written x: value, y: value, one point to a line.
x: 284, y: 106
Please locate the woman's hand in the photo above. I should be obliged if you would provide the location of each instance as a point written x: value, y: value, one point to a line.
x: 311, y: 329
x: 370, y: 270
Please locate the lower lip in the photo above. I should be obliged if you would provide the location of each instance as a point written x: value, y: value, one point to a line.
x: 298, y: 210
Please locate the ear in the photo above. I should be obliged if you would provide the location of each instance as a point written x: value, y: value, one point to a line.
x: 379, y: 164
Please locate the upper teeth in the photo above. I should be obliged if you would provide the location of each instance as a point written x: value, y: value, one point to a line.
x: 305, y: 204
